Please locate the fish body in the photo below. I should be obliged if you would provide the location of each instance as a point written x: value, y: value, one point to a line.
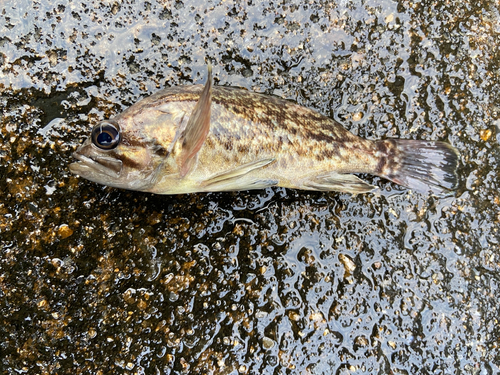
x: 198, y: 138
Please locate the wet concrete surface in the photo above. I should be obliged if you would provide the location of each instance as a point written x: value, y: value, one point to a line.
x: 95, y: 280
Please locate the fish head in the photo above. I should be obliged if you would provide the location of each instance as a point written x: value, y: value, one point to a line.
x: 127, y: 152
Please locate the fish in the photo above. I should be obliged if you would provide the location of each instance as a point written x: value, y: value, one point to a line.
x: 207, y: 138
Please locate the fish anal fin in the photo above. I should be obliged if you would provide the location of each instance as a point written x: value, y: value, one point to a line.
x: 197, y: 128
x: 240, y: 178
x: 333, y: 181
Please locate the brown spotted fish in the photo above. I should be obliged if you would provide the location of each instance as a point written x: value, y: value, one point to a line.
x: 190, y: 139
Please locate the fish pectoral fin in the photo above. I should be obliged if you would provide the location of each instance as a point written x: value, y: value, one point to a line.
x: 197, y: 128
x: 333, y: 181
x: 239, y: 178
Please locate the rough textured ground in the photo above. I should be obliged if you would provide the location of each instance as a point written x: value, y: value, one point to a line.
x: 95, y: 280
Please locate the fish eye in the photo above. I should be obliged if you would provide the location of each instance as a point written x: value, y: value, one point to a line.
x: 106, y: 135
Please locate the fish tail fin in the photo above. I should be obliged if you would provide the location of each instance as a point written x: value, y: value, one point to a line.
x: 424, y: 166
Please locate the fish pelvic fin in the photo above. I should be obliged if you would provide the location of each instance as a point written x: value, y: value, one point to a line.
x: 197, y: 129
x: 424, y: 166
x: 240, y: 178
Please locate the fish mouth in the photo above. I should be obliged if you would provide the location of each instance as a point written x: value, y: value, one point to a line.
x: 87, y: 166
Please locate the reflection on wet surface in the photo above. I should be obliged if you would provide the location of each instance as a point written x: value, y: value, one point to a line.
x: 98, y: 280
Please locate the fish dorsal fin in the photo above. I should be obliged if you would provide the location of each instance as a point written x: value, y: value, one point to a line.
x: 240, y: 178
x: 197, y: 129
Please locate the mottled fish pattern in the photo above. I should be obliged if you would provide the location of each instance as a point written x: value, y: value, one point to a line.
x: 209, y: 138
